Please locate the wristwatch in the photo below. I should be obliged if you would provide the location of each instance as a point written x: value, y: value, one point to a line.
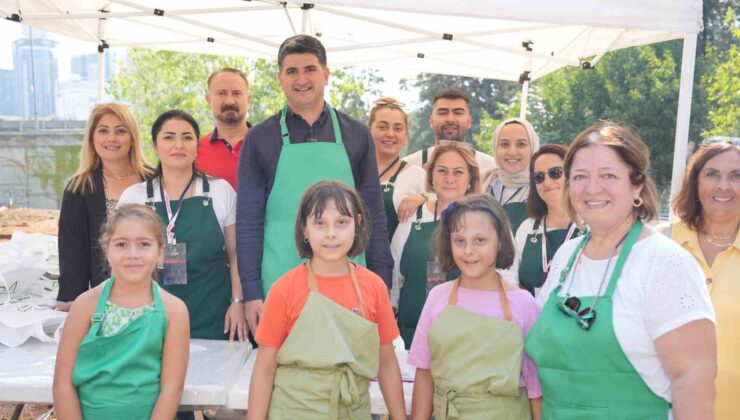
x: 237, y: 300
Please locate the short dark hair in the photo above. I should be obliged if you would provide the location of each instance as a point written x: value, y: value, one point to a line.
x: 348, y: 203
x: 536, y: 207
x: 687, y: 204
x: 228, y: 70
x: 452, y: 93
x: 173, y: 114
x: 452, y: 221
x: 302, y: 44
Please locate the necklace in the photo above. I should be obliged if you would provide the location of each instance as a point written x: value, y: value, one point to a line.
x: 118, y: 177
x: 718, y: 245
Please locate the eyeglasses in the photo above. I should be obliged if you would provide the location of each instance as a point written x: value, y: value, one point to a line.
x: 388, y: 101
x: 721, y: 139
x: 554, y: 173
x: 570, y: 306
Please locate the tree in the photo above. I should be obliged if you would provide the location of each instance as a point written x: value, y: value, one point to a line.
x: 152, y: 82
x: 722, y: 84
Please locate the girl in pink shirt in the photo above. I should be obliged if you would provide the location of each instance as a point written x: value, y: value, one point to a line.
x: 468, y: 345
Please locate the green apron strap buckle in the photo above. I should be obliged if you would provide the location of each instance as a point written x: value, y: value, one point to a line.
x: 284, y: 127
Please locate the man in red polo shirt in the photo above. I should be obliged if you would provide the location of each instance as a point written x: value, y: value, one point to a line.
x: 228, y: 97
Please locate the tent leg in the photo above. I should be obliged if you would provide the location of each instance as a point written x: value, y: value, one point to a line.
x: 525, y: 100
x: 101, y: 76
x: 683, y: 115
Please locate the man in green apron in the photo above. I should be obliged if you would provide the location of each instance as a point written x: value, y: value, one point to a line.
x: 306, y: 142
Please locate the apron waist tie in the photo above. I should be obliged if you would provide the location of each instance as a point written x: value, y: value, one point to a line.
x: 344, y: 389
x: 450, y: 410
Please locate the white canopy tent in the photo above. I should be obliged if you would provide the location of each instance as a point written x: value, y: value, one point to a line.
x: 507, y: 39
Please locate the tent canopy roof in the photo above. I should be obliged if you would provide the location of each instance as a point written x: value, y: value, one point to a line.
x: 476, y: 38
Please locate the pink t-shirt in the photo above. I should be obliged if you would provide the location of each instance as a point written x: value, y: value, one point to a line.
x: 523, y: 307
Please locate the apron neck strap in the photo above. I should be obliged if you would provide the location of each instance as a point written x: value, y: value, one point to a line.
x: 400, y: 168
x: 313, y: 285
x: 96, y: 321
x: 334, y: 122
x: 626, y: 249
x: 504, y: 299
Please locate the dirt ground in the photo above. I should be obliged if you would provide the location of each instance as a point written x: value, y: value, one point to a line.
x: 28, y: 220
x: 30, y: 412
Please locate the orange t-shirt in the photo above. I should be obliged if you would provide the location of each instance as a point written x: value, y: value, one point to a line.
x: 290, y: 292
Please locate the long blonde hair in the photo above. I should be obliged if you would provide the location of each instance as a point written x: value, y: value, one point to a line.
x: 82, y: 180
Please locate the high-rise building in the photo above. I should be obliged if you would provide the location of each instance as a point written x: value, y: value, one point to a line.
x: 86, y: 66
x: 7, y: 99
x: 35, y: 75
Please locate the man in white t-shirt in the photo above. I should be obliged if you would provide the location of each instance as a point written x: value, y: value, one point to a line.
x: 451, y: 120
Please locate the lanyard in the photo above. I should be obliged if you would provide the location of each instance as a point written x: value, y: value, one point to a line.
x: 388, y: 168
x: 545, y: 263
x: 170, y: 217
x: 501, y: 194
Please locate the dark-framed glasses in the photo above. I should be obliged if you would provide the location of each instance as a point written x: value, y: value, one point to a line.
x: 554, y: 173
x: 571, y: 306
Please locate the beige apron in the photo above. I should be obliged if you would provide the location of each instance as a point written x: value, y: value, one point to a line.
x: 476, y: 364
x: 327, y: 361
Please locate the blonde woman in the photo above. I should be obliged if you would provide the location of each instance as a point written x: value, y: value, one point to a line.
x: 110, y: 161
x: 398, y: 179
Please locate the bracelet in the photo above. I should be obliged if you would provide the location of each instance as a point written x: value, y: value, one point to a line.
x: 237, y: 300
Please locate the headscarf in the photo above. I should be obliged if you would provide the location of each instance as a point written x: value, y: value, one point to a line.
x: 521, y: 178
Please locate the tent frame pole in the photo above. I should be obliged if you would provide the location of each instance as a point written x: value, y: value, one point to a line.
x: 683, y: 116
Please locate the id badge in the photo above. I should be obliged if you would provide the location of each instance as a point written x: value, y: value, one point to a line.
x: 435, y: 275
x: 175, y: 265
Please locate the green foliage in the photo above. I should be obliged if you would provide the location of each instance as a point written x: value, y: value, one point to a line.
x: 53, y: 166
x: 353, y: 89
x: 638, y: 86
x: 722, y: 84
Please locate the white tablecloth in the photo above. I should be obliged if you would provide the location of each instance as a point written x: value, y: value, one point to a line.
x: 27, y: 371
x: 239, y: 392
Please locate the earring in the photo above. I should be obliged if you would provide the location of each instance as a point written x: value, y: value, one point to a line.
x: 637, y: 202
x: 468, y: 187
x: 305, y: 239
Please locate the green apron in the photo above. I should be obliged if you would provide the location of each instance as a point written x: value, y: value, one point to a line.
x: 300, y: 165
x: 585, y: 374
x: 476, y: 364
x: 416, y: 252
x: 208, y: 292
x: 326, y: 363
x: 117, y: 377
x: 517, y: 213
x: 390, y: 210
x: 531, y: 274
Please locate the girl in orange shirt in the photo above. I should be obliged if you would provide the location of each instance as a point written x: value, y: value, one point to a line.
x: 327, y: 326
